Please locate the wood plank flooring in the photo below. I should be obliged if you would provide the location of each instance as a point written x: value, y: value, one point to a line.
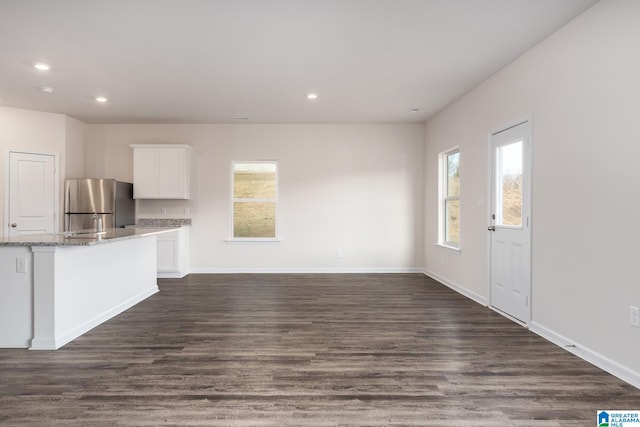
x: 306, y: 350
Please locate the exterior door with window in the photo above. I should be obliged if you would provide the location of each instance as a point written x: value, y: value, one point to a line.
x: 32, y: 194
x: 510, y: 282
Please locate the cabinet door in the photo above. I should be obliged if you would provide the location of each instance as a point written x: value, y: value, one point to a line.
x: 168, y: 252
x: 172, y: 174
x: 145, y: 174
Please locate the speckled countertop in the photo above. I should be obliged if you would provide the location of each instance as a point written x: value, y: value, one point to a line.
x: 84, y: 238
x: 163, y: 222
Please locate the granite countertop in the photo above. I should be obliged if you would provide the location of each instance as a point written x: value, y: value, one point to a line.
x: 83, y: 238
x: 163, y: 222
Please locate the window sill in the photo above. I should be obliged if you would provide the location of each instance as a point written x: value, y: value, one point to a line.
x: 253, y: 241
x: 449, y: 248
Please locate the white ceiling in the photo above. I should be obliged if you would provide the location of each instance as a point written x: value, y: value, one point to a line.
x: 210, y: 61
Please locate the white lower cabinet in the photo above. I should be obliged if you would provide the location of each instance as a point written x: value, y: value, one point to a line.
x: 173, y: 253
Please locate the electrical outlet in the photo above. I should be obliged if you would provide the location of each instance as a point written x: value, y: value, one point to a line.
x: 21, y: 265
x: 634, y: 316
x: 186, y: 211
x: 338, y: 253
x: 163, y: 211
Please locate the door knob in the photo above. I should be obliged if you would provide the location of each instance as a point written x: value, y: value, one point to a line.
x: 492, y: 228
x: 14, y: 225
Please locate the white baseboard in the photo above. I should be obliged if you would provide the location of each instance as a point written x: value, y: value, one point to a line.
x: 43, y: 344
x: 173, y: 275
x: 17, y: 344
x: 59, y: 341
x: 459, y: 289
x: 265, y: 270
x: 585, y: 353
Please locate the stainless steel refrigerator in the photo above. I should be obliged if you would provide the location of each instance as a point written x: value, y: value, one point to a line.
x: 86, y: 199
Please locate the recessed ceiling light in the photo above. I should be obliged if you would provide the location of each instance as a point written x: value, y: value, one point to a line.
x: 414, y: 110
x: 46, y: 89
x: 101, y: 99
x: 239, y: 118
x: 41, y: 66
x: 312, y: 96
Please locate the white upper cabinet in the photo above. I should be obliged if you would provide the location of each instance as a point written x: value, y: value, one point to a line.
x: 161, y: 171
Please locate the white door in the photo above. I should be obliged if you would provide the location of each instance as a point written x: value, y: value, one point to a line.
x: 511, y: 221
x: 32, y: 194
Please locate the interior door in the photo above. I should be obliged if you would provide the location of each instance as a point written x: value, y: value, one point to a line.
x: 510, y: 227
x: 32, y: 194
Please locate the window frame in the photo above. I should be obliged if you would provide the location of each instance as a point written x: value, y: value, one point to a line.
x: 233, y: 199
x: 444, y: 198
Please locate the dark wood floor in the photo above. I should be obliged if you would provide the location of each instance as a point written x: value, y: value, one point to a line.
x: 306, y: 350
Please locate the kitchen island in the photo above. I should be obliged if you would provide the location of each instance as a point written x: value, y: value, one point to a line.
x: 56, y: 287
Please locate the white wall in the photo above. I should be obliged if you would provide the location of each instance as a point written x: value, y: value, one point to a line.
x: 582, y: 87
x: 357, y: 188
x: 29, y: 131
x: 75, y: 148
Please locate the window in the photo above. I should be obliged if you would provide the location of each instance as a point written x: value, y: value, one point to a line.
x: 449, y: 209
x: 255, y: 194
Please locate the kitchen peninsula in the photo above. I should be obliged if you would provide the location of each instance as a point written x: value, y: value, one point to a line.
x: 56, y: 287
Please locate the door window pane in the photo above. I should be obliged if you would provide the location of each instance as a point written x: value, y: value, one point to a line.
x: 510, y: 184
